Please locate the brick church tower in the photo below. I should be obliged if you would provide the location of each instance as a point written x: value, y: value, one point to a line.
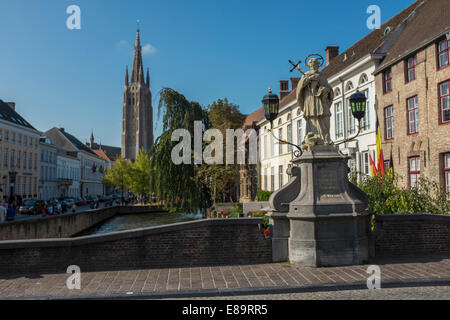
x: 137, y: 119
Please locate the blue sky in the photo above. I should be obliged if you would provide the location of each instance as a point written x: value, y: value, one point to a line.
x: 204, y: 49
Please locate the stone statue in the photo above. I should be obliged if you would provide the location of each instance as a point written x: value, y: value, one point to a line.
x: 314, y: 97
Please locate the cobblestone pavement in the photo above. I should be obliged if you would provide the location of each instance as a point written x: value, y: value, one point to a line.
x: 223, y: 280
x: 416, y: 293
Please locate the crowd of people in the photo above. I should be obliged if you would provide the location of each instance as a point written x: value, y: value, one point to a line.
x: 9, y: 208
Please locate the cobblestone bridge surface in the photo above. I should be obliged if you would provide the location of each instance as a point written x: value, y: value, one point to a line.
x: 224, y: 280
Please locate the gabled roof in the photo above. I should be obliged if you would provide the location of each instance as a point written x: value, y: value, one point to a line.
x: 112, y: 152
x: 66, y: 141
x: 429, y: 21
x: 102, y: 154
x: 370, y: 44
x: 253, y: 118
x: 77, y: 143
x: 8, y: 114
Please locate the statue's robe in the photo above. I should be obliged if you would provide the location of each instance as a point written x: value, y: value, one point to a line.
x: 314, y: 100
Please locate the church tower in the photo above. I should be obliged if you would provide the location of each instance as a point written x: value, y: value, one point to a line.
x: 137, y: 119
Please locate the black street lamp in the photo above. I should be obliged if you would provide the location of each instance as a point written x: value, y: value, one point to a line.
x: 271, y: 105
x: 358, y: 103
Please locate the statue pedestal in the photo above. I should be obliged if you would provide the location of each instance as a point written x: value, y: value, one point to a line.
x: 280, y: 236
x: 329, y: 224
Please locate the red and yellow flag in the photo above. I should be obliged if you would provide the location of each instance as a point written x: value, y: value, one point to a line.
x: 380, y: 157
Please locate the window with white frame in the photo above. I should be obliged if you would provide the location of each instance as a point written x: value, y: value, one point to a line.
x: 444, y: 102
x: 265, y: 179
x: 289, y: 137
x: 280, y: 145
x: 272, y: 179
x: 365, y: 163
x: 280, y: 176
x: 413, y: 115
x: 339, y: 120
x: 265, y: 147
x: 365, y: 121
x: 351, y: 119
x: 414, y: 172
x: 447, y: 174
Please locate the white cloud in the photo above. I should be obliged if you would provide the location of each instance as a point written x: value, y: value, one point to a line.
x: 148, y: 49
x: 123, y: 44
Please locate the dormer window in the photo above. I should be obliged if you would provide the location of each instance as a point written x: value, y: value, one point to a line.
x: 387, y: 30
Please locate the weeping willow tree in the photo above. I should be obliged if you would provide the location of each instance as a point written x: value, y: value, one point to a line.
x: 178, y: 186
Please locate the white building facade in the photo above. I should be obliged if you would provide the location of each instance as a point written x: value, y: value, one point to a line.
x: 91, y: 177
x: 357, y: 76
x: 48, y: 184
x: 68, y: 175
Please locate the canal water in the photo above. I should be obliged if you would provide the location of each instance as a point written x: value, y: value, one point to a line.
x: 142, y: 220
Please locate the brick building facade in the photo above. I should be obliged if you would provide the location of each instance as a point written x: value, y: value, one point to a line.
x: 412, y: 96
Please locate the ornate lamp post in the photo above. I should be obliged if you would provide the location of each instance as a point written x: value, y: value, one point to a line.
x: 271, y: 105
x: 358, y: 103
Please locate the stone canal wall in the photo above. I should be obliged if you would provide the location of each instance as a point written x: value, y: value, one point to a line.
x: 412, y: 234
x: 197, y: 243
x: 63, y: 226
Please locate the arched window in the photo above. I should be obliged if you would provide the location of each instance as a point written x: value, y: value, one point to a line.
x: 337, y: 92
x: 298, y: 112
x: 279, y: 122
x: 349, y: 86
x: 289, y: 116
x: 363, y: 79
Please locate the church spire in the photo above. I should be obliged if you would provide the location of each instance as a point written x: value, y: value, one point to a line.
x: 137, y: 59
x: 126, y: 77
x: 92, y: 138
x: 148, y: 78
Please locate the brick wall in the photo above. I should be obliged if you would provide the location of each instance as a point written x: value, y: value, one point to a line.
x: 198, y: 243
x: 62, y: 226
x: 401, y: 235
x: 432, y: 141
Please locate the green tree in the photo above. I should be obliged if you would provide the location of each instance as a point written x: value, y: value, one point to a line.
x: 139, y: 173
x: 221, y: 179
x: 118, y: 176
x: 177, y: 185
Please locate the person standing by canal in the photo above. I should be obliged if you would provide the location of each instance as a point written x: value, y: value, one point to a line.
x: 3, y: 211
x: 11, y: 213
x: 64, y: 207
x: 74, y: 207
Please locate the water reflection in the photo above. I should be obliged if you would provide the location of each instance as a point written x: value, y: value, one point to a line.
x: 143, y: 220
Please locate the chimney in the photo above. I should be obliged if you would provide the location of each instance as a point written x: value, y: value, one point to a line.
x: 331, y: 52
x: 284, y: 88
x: 62, y: 129
x: 294, y: 83
x: 12, y: 105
